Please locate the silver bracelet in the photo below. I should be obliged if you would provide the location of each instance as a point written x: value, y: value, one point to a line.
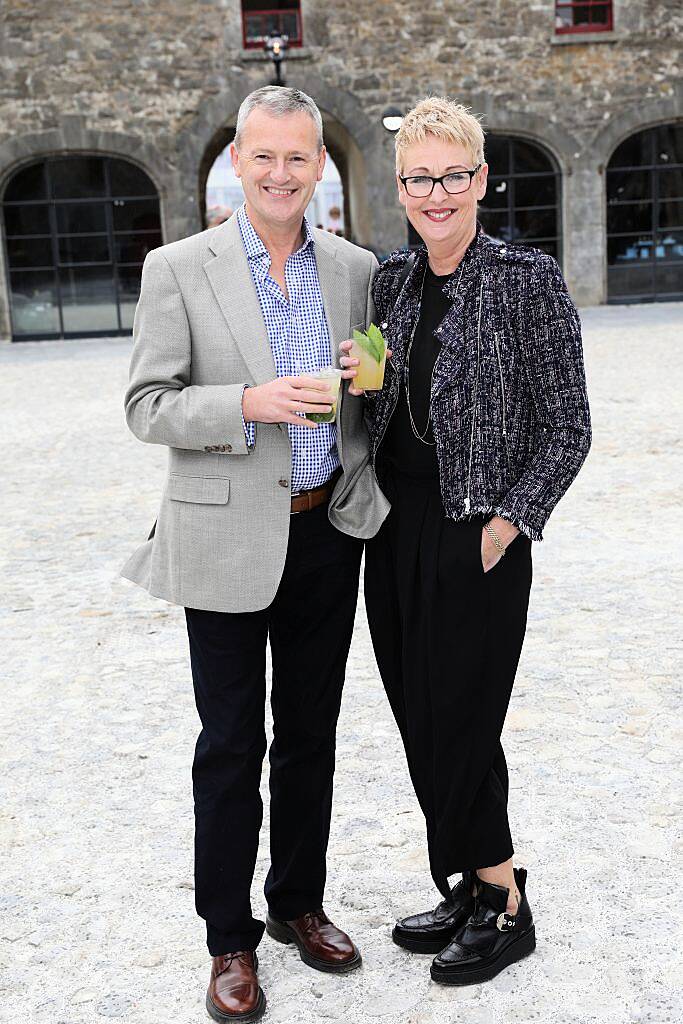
x: 495, y: 538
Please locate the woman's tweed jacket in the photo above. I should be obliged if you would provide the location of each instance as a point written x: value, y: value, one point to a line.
x: 509, y: 405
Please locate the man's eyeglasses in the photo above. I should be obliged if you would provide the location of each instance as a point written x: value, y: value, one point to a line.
x: 419, y: 186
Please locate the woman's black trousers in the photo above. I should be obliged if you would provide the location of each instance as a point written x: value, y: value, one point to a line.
x: 447, y: 638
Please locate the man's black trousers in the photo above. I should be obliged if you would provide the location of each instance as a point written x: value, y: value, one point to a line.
x: 310, y: 624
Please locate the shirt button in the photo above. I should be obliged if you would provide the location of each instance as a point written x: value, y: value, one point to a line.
x: 283, y: 483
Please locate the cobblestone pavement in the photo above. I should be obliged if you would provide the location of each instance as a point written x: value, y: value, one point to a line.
x: 98, y: 727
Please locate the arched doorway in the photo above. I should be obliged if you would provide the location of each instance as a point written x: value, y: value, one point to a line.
x: 224, y: 194
x: 523, y: 199
x: 343, y: 152
x: 77, y: 230
x: 644, y: 184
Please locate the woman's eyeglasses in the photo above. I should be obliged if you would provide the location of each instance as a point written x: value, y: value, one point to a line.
x: 419, y: 186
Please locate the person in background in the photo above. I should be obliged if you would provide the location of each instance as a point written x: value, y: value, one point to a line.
x: 334, y: 220
x: 216, y: 215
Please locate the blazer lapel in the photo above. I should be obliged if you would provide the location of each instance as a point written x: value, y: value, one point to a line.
x: 336, y: 292
x: 232, y: 284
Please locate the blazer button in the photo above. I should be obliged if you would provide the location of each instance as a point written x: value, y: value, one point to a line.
x: 227, y: 447
x: 283, y: 483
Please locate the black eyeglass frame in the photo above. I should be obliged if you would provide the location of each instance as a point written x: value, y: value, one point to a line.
x: 440, y: 181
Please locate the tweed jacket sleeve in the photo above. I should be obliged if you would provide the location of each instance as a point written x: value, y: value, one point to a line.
x: 162, y: 405
x: 554, y: 369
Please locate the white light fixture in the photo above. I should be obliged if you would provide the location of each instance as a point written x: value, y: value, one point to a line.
x: 392, y: 119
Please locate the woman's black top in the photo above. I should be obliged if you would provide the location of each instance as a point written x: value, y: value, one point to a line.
x: 400, y: 448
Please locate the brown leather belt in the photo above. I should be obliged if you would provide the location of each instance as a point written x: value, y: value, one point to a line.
x: 304, y: 501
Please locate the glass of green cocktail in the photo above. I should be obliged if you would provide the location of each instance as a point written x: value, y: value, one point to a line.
x: 370, y: 349
x: 332, y: 376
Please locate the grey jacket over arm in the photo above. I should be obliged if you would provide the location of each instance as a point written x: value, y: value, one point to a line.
x: 162, y: 405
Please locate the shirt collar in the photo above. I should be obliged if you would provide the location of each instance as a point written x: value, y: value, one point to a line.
x: 253, y: 244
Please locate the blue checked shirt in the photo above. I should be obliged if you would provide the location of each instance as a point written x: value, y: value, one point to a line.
x: 300, y: 341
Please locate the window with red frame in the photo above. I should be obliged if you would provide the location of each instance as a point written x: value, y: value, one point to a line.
x: 262, y: 18
x: 583, y: 16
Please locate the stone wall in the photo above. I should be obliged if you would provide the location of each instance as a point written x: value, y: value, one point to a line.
x: 159, y: 81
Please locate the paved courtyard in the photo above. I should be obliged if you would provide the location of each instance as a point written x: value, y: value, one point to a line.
x: 98, y: 727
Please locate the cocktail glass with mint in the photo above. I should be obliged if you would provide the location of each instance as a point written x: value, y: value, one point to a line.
x: 370, y: 348
x: 332, y: 376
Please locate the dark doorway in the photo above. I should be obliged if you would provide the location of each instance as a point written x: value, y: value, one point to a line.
x: 77, y: 230
x: 522, y: 201
x: 645, y: 217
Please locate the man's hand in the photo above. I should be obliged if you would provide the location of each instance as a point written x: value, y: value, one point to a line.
x: 348, y: 364
x: 280, y: 400
x: 490, y: 555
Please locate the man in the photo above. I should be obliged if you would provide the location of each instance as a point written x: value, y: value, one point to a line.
x: 260, y: 529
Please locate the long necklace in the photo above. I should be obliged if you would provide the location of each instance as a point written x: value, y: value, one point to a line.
x: 406, y: 370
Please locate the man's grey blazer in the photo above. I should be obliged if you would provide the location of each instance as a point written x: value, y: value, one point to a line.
x: 221, y: 534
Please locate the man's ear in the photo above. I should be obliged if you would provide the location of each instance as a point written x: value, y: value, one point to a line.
x: 321, y: 163
x: 235, y: 157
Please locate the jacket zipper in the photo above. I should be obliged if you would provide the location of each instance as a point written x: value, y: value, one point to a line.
x: 502, y: 395
x: 474, y: 402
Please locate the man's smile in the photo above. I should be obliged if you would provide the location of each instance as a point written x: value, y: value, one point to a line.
x: 280, y: 193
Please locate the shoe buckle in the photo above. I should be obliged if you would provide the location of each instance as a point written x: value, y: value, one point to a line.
x: 505, y: 922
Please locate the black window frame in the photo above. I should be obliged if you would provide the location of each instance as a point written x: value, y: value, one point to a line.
x: 108, y: 200
x: 511, y: 178
x: 652, y: 167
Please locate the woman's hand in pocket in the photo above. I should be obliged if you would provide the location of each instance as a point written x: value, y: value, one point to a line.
x: 490, y: 555
x: 506, y: 533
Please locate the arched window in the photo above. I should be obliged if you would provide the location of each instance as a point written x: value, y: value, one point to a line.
x: 77, y: 230
x: 522, y: 201
x: 644, y: 183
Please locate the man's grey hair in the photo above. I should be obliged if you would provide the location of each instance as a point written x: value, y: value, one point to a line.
x: 279, y: 101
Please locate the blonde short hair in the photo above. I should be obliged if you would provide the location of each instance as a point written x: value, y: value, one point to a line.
x: 445, y: 119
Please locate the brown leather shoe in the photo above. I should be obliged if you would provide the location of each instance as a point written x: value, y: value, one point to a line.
x: 321, y: 944
x: 234, y: 993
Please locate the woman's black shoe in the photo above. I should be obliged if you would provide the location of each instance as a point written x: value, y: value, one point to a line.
x: 491, y: 940
x: 431, y: 931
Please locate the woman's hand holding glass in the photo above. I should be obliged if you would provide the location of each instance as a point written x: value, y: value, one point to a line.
x: 349, y: 363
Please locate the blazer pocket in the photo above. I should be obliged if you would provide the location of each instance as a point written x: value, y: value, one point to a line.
x: 204, y: 490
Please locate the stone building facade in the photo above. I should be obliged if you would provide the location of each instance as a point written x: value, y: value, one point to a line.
x: 157, y: 83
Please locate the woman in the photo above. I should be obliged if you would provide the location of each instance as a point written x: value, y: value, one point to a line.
x: 479, y: 430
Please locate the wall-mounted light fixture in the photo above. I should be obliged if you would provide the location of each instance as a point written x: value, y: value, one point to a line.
x: 392, y: 119
x: 276, y: 48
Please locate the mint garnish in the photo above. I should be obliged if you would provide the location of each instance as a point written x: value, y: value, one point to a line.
x: 372, y: 341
